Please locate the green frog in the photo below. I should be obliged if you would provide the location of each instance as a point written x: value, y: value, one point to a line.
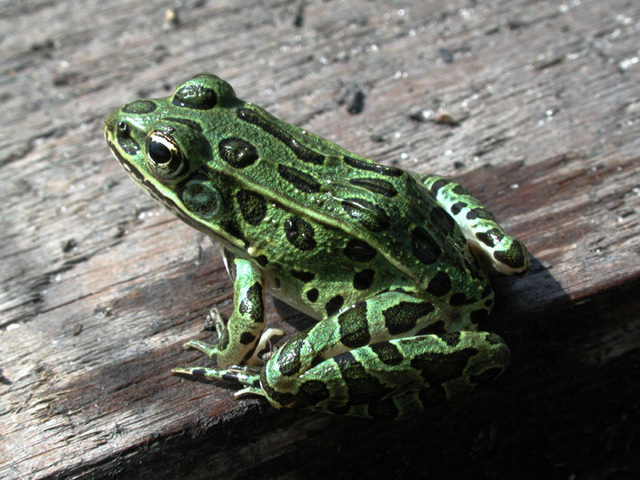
x: 394, y: 266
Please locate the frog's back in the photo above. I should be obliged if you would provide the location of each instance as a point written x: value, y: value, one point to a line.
x: 383, y: 208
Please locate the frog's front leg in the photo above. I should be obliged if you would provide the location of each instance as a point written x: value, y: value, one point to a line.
x: 242, y: 337
x: 382, y: 357
x: 498, y: 252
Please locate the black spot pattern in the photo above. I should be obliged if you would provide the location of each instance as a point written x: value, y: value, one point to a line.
x: 237, y: 152
x: 362, y: 387
x: 284, y: 399
x: 299, y: 233
x: 246, y: 338
x: 303, y: 153
x: 301, y: 180
x: 232, y: 228
x: 185, y: 121
x: 439, y: 285
x: 262, y: 260
x: 489, y: 238
x: 334, y: 305
x: 195, y: 96
x: 460, y: 190
x: 302, y: 276
x: 434, y: 328
x: 424, y: 247
x: 388, y: 353
x: 373, y: 167
x: 404, y: 316
x: 354, y: 329
x: 458, y: 299
x: 479, y: 212
x: 437, y: 368
x: 514, y: 257
x: 311, y: 393
x: 451, y: 338
x: 252, y: 304
x: 312, y: 295
x: 363, y: 280
x: 438, y: 184
x: 375, y: 185
x: 289, y: 357
x: 370, y: 216
x: 140, y: 107
x: 128, y: 146
x: 441, y: 220
x: 359, y: 251
x: 253, y: 206
x: 457, y: 207
x: 201, y: 198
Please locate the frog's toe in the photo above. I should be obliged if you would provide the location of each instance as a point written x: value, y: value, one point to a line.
x: 207, y: 348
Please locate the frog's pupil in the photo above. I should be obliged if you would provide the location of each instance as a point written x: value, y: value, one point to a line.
x: 159, y: 152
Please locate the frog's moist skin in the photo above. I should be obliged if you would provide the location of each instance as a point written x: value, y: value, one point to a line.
x: 393, y: 266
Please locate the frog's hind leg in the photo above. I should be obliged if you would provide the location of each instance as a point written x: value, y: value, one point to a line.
x: 401, y: 377
x: 497, y: 251
x: 390, y: 351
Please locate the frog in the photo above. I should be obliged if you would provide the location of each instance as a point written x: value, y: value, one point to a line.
x: 393, y: 266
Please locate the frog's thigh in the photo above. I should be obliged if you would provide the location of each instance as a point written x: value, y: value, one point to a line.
x: 378, y: 319
x: 499, y: 253
x: 388, y: 315
x: 238, y: 338
x: 400, y: 377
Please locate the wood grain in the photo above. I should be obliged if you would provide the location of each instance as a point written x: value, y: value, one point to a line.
x: 100, y: 287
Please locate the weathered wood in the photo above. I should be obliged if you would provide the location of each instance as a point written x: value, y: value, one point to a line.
x: 100, y: 287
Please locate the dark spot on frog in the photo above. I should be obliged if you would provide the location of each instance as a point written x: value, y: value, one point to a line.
x: 388, y: 353
x: 302, y: 276
x: 404, y: 316
x: 299, y: 233
x: 439, y: 285
x: 354, y: 329
x: 359, y: 251
x: 312, y: 295
x: 237, y: 152
x: 363, y: 280
x: 334, y: 305
x: 246, y: 338
x: 301, y: 180
x: 424, y: 247
x: 253, y: 206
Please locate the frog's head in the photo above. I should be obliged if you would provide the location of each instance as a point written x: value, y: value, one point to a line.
x: 162, y: 144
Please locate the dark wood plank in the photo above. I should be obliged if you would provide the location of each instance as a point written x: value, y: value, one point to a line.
x: 100, y: 287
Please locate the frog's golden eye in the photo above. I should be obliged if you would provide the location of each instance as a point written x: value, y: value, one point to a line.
x: 164, y: 156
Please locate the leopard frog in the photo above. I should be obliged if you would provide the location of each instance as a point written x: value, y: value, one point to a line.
x: 394, y: 266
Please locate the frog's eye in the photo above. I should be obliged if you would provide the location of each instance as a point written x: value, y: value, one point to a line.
x: 164, y: 156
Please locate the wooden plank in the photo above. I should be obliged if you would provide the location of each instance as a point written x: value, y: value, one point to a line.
x: 100, y: 286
